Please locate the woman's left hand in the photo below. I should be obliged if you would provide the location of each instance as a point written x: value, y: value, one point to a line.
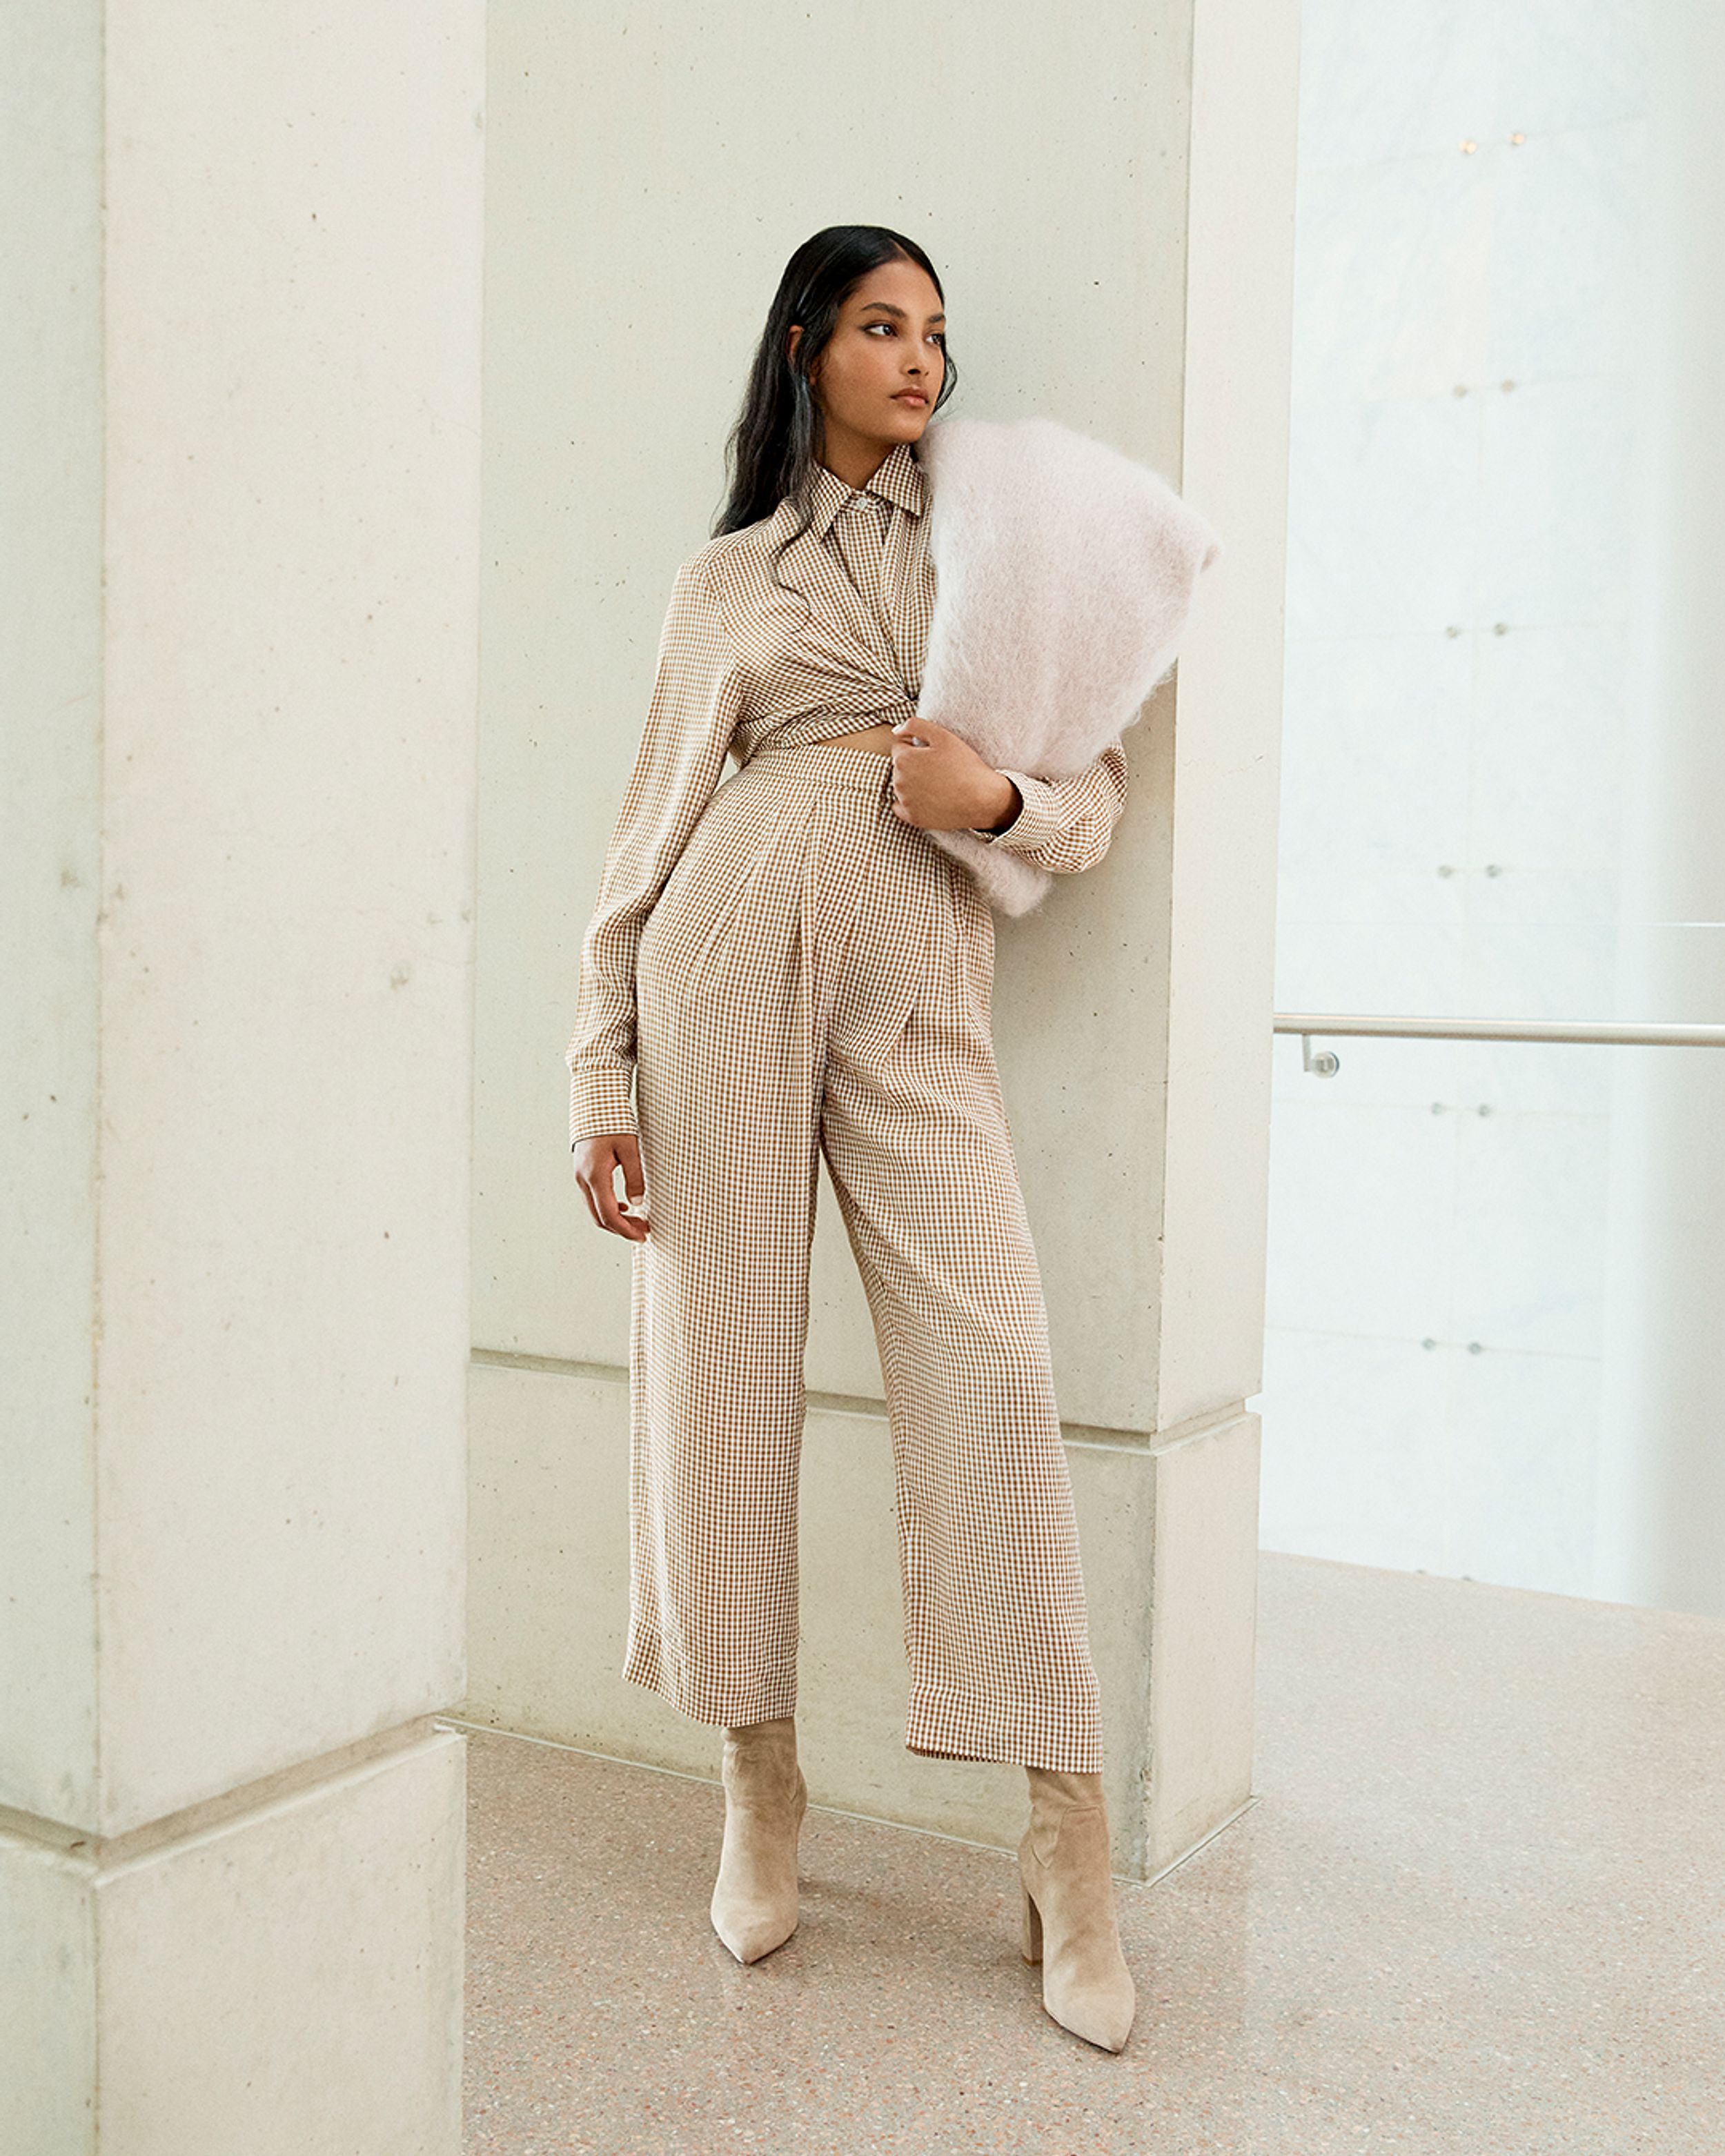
x: 940, y: 783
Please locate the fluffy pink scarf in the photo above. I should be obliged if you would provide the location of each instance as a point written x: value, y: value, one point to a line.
x: 1064, y: 575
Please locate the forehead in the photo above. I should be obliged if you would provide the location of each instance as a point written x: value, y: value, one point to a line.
x: 896, y: 286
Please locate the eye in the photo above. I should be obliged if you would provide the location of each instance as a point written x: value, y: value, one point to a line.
x: 937, y: 337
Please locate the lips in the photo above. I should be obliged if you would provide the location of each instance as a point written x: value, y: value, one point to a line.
x: 909, y: 397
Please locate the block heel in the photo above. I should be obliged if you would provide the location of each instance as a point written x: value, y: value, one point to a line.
x: 1031, y: 1946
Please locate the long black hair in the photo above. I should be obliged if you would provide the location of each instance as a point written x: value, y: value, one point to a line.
x: 772, y: 449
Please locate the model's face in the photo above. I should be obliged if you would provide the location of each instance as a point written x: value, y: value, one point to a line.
x: 882, y: 369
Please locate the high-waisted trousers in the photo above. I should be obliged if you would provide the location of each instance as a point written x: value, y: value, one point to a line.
x: 816, y: 976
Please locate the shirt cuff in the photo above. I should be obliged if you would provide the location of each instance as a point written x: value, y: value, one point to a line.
x: 599, y: 1105
x: 1037, y: 821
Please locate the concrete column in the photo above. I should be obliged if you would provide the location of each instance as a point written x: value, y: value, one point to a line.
x: 239, y: 554
x: 1663, y: 1462
x: 1112, y: 218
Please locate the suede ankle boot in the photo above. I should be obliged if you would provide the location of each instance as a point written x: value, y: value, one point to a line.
x: 1068, y: 1916
x: 754, y: 1905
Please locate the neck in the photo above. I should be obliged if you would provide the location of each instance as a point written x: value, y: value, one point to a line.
x: 854, y: 457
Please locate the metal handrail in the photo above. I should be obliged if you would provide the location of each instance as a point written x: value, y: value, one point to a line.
x: 1606, y: 1032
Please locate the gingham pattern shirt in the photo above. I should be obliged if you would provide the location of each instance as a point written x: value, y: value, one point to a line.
x: 744, y: 664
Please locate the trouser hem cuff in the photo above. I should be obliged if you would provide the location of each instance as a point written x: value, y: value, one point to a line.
x: 724, y: 1704
x: 945, y: 1726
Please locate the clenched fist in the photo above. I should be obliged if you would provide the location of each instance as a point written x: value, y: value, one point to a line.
x: 940, y: 783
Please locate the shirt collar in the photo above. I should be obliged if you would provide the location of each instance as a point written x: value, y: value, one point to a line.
x: 899, y: 478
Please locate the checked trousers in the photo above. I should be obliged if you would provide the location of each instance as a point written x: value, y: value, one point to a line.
x: 815, y: 978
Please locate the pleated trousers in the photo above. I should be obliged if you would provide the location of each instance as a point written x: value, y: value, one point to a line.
x: 816, y: 977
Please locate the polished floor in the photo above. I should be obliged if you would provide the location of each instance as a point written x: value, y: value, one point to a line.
x: 1477, y: 1907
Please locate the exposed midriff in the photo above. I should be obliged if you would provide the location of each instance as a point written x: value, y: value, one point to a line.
x: 879, y: 738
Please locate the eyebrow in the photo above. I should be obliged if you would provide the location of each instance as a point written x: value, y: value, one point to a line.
x: 887, y: 307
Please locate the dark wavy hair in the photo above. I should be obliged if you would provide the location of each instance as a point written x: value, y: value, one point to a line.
x: 772, y: 449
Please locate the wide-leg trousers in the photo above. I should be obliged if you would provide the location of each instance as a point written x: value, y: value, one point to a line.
x: 817, y: 977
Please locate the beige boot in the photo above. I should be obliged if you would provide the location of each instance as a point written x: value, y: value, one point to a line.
x: 754, y: 1905
x: 1070, y: 1924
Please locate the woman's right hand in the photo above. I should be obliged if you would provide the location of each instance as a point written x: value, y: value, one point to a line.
x: 597, y: 1161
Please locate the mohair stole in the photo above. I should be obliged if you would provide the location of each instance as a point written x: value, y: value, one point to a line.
x: 1065, y: 577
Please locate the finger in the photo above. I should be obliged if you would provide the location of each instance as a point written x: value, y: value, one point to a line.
x: 592, y: 1205
x: 610, y: 1215
x: 615, y: 1218
x: 620, y: 1222
x: 635, y: 1182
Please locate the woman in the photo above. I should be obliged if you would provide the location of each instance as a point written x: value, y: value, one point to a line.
x: 787, y: 968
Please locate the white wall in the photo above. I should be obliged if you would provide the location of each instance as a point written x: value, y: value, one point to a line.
x: 243, y: 370
x: 1661, y: 1484
x: 51, y: 650
x: 1459, y: 693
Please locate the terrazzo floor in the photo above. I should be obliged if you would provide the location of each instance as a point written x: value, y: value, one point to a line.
x: 1477, y: 1907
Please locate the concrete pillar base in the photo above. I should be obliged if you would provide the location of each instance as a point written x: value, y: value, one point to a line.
x: 277, y: 1971
x: 1166, y: 1527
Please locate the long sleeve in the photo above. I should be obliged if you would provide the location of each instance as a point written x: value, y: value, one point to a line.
x: 1065, y: 824
x: 691, y: 716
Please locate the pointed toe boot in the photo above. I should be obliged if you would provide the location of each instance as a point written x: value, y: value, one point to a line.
x: 754, y: 1905
x: 1070, y: 1926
